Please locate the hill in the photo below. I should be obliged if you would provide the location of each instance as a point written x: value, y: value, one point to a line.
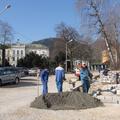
x: 54, y: 45
x: 49, y: 42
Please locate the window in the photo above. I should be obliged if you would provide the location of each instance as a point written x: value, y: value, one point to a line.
x: 17, y: 52
x: 43, y: 52
x: 17, y: 58
x: 1, y: 72
x: 0, y: 52
x: 8, y: 52
x: 13, y: 58
x: 8, y: 59
x: 21, y: 52
x: 35, y: 52
x: 13, y: 52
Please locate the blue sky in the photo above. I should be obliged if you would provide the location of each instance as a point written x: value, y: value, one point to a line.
x: 37, y: 19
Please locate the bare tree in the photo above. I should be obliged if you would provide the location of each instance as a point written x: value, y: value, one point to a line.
x: 96, y: 11
x: 58, y: 46
x: 113, y: 30
x: 5, y: 38
x: 79, y: 48
x: 67, y: 32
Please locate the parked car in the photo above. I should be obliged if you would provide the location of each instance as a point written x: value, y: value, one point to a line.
x: 32, y: 71
x: 9, y: 75
x: 22, y: 71
x: 26, y: 72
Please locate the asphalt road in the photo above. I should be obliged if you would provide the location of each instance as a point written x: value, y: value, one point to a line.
x: 14, y: 96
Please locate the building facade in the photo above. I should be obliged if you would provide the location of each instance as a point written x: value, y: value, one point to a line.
x: 38, y: 49
x: 18, y: 51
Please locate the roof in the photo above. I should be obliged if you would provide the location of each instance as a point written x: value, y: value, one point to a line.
x: 36, y: 46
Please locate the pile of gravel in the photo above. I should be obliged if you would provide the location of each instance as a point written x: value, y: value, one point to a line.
x: 66, y: 101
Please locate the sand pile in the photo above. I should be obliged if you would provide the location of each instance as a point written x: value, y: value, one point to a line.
x: 66, y: 101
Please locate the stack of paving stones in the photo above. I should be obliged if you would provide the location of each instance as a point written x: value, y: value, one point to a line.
x: 109, y: 78
x: 109, y: 94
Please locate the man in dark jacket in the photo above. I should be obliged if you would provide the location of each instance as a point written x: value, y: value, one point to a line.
x: 84, y: 75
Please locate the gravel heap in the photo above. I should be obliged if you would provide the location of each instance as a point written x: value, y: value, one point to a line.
x: 66, y: 101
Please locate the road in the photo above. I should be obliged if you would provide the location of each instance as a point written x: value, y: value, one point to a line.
x: 13, y: 96
x: 15, y: 104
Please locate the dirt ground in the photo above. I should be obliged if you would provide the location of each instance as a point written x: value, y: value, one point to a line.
x: 15, y: 104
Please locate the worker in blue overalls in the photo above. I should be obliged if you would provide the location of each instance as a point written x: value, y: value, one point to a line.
x: 60, y: 76
x: 44, y: 74
x: 85, y: 75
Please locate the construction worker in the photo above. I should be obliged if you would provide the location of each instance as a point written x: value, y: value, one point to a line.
x: 77, y: 71
x: 60, y: 76
x: 44, y: 74
x: 84, y: 75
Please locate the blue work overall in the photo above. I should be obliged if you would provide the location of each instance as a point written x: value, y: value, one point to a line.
x: 44, y: 78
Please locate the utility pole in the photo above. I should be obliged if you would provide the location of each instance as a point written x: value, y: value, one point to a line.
x: 67, y: 52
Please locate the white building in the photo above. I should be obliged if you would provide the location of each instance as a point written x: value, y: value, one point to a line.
x: 38, y: 49
x: 18, y: 51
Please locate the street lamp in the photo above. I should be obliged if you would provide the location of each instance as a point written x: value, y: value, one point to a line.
x: 6, y: 7
x: 66, y: 52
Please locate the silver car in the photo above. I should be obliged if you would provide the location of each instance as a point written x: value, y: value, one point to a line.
x: 9, y: 75
x: 32, y: 71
